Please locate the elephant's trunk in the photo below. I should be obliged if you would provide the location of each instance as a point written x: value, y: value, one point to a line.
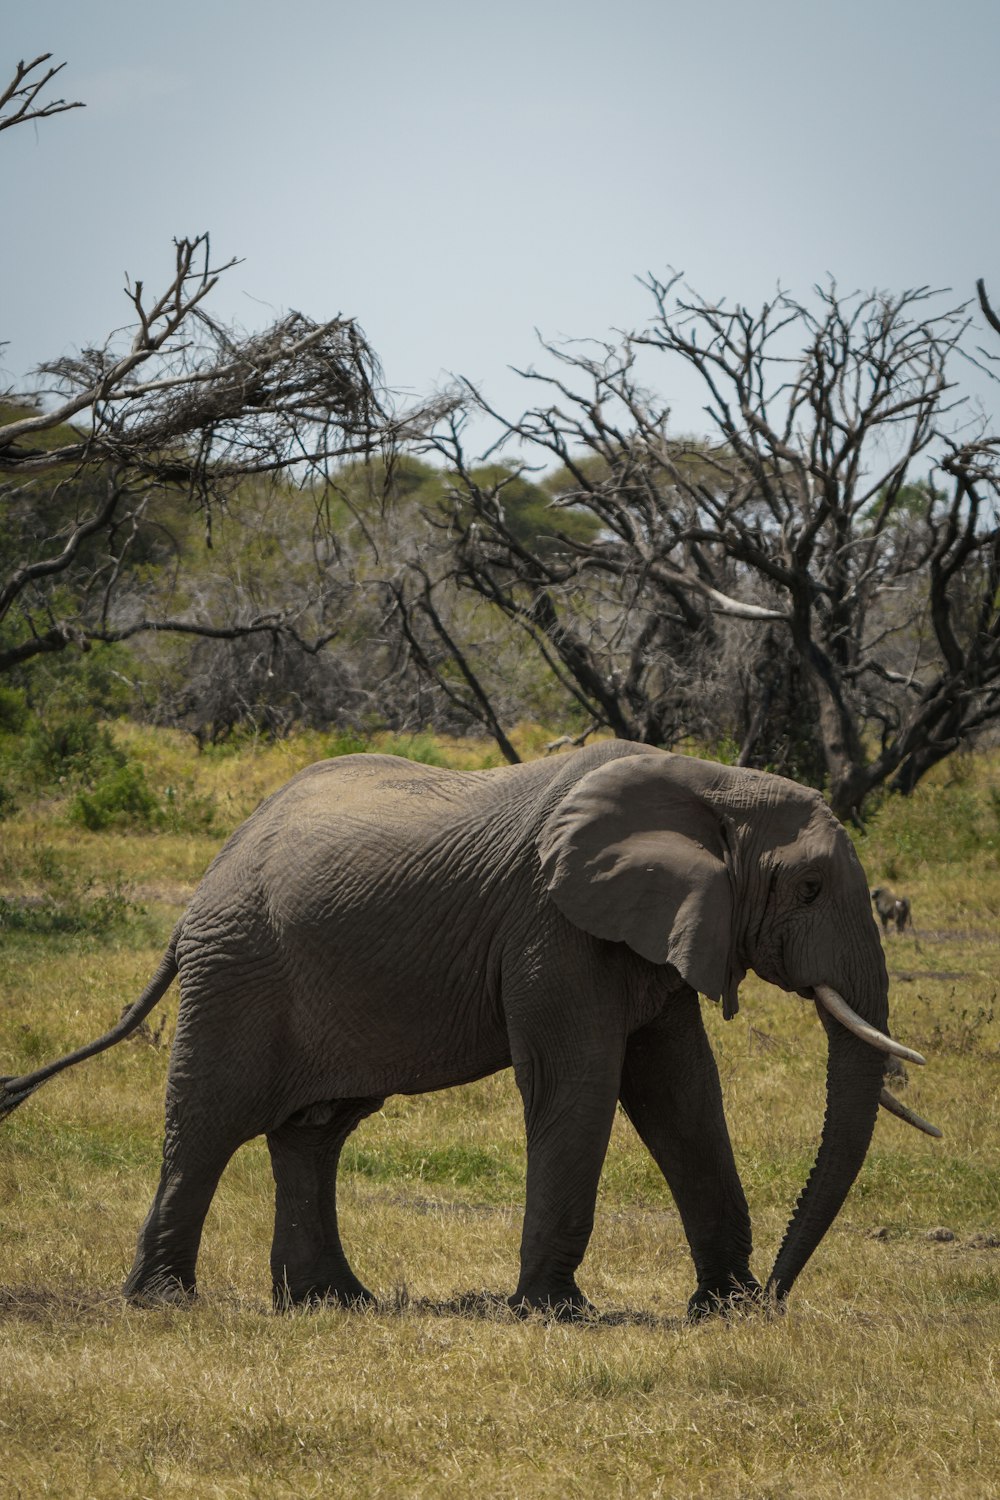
x: 853, y: 1086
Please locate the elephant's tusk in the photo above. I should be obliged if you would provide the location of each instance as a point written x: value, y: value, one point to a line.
x: 839, y: 1008
x: 892, y: 1104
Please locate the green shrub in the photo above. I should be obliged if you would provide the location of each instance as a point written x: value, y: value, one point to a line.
x: 345, y: 742
x: 940, y: 823
x: 72, y: 747
x: 420, y: 747
x: 96, y: 680
x: 183, y: 810
x: 120, y: 798
x: 13, y: 710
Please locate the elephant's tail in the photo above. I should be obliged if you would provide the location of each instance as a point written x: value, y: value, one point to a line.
x: 14, y: 1090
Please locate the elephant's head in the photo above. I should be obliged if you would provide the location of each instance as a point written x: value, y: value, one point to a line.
x: 717, y: 870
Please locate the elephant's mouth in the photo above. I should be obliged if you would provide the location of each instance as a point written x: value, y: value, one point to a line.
x: 828, y: 999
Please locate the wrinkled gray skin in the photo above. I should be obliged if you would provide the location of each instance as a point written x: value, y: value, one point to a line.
x: 381, y: 927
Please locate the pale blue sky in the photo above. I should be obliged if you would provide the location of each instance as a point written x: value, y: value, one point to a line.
x: 456, y: 175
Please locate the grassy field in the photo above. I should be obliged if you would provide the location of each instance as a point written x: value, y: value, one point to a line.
x: 884, y: 1374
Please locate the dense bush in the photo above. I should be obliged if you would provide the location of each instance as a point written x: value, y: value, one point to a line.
x: 71, y: 747
x: 71, y: 754
x: 119, y: 797
x: 13, y: 710
x: 956, y: 818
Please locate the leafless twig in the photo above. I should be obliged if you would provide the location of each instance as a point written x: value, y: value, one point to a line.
x: 18, y: 99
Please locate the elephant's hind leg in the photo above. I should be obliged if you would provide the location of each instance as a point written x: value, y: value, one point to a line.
x: 164, y: 1268
x: 308, y: 1263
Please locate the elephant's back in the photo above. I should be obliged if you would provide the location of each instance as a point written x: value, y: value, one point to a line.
x: 338, y: 829
x: 369, y: 800
x: 341, y: 826
x: 375, y: 792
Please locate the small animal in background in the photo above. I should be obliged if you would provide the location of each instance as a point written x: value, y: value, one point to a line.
x: 892, y: 908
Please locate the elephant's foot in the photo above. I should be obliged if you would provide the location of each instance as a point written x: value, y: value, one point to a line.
x: 726, y: 1296
x: 563, y: 1304
x: 158, y: 1289
x: 351, y: 1295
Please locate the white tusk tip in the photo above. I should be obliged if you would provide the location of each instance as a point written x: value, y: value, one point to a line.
x: 848, y: 1018
x: 902, y: 1112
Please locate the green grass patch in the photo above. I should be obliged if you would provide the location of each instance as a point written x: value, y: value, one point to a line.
x: 96, y: 1143
x: 58, y: 902
x: 486, y: 1169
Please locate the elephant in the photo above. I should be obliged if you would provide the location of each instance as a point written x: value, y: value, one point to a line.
x: 379, y: 926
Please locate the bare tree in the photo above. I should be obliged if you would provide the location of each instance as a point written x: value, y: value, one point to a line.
x: 185, y: 413
x: 838, y: 522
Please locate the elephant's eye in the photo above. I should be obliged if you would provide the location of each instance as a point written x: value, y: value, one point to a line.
x: 810, y: 889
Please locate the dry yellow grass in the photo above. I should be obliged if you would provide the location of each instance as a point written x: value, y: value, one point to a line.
x: 883, y: 1375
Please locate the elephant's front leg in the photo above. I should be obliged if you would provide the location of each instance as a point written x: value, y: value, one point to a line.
x: 308, y: 1263
x: 569, y: 1085
x: 670, y: 1091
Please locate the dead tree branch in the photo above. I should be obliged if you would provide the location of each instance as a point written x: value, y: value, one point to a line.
x: 18, y: 100
x: 209, y: 404
x: 992, y: 318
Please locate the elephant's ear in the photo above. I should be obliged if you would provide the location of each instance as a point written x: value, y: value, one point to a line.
x: 634, y: 854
